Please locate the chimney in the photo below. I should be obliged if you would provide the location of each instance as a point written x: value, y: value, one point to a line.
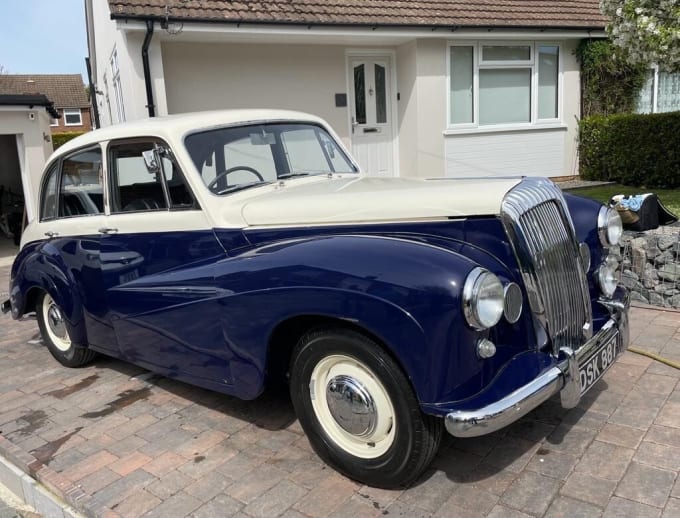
x: 30, y: 87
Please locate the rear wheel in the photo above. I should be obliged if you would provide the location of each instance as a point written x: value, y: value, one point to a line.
x: 359, y: 411
x: 55, y: 334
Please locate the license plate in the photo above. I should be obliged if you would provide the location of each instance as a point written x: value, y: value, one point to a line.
x: 597, y: 364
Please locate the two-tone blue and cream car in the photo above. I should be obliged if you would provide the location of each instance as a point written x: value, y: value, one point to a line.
x: 234, y: 249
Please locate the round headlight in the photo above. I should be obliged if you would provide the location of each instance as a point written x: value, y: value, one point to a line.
x: 482, y: 299
x: 512, y: 305
x: 609, y: 226
x: 606, y: 277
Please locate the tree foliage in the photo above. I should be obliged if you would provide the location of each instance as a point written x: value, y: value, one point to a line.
x: 648, y: 31
x: 610, y: 83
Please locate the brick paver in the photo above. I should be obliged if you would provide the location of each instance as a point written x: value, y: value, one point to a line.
x: 115, y: 440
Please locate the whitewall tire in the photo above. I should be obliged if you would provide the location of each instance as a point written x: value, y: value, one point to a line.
x: 54, y: 329
x: 358, y: 409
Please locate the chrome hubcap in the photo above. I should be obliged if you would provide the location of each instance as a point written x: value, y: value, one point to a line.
x: 351, y: 405
x: 56, y: 321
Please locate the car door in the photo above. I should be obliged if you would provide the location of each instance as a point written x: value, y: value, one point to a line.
x: 72, y: 214
x: 154, y: 248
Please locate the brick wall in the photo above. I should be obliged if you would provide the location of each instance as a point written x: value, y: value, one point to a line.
x: 84, y: 115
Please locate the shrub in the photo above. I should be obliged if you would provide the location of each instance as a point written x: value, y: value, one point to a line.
x: 609, y: 83
x: 631, y: 149
x: 59, y: 139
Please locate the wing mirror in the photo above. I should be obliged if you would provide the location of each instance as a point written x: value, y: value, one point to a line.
x: 151, y: 161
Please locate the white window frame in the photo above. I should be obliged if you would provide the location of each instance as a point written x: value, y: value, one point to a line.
x: 655, y: 89
x: 54, y: 122
x: 478, y: 64
x: 117, y: 86
x: 72, y: 111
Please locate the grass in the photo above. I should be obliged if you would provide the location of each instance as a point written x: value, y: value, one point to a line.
x: 669, y: 197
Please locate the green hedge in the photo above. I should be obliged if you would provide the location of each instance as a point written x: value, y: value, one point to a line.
x: 631, y: 149
x: 609, y: 83
x: 59, y: 139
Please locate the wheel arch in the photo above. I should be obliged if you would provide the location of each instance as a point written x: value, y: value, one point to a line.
x: 39, y: 272
x: 287, y: 334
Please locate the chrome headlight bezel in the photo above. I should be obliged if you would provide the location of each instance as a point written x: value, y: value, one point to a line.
x: 609, y: 227
x: 479, y: 280
x: 606, y: 279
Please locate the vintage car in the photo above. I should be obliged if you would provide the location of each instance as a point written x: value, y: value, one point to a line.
x: 240, y: 248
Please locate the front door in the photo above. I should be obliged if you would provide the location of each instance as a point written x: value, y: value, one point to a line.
x: 164, y: 317
x: 371, y: 114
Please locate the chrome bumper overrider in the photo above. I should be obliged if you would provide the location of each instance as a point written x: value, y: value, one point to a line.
x: 563, y: 378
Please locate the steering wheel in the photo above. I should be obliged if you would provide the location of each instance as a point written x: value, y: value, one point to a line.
x: 222, y: 174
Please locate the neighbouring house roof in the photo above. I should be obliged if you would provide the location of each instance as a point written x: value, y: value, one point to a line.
x: 564, y: 14
x: 64, y: 90
x: 29, y: 100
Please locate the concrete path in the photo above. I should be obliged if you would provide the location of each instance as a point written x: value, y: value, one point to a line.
x: 113, y: 440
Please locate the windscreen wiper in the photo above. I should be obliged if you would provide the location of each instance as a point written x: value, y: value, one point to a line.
x: 241, y: 187
x: 295, y: 175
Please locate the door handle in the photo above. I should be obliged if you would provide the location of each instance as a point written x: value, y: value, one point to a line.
x: 107, y: 230
x: 51, y: 234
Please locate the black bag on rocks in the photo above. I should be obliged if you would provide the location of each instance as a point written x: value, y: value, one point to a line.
x: 642, y: 211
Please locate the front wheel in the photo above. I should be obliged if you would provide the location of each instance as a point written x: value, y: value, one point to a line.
x: 55, y: 334
x: 359, y: 411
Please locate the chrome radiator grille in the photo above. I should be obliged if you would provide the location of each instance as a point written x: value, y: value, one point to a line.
x: 541, y: 232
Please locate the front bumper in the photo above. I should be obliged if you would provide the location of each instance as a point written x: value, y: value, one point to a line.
x: 563, y: 378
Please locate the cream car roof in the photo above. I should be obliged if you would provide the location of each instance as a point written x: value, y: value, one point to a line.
x: 174, y: 127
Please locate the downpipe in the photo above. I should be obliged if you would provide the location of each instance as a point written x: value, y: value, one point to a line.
x: 147, y: 69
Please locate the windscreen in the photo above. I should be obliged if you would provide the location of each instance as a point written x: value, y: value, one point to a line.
x: 237, y: 157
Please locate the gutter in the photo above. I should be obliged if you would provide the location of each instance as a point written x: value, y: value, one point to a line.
x: 147, y: 70
x: 29, y: 100
x: 349, y: 25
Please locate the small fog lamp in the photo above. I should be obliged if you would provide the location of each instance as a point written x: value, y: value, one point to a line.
x: 485, y: 349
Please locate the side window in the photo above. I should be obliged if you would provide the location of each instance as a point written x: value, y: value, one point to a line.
x: 48, y: 204
x: 81, y: 192
x: 134, y: 188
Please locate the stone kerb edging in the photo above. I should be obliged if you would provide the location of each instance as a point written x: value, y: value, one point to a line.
x: 649, y: 266
x: 26, y: 485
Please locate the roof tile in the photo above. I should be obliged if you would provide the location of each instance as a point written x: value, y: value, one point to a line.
x: 64, y: 90
x: 430, y: 13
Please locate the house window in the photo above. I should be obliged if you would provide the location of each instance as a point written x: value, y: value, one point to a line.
x: 494, y: 83
x: 54, y: 122
x: 117, y: 88
x: 73, y: 117
x: 661, y: 92
x: 107, y: 99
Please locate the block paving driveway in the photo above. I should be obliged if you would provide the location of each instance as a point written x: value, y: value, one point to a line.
x: 115, y: 440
